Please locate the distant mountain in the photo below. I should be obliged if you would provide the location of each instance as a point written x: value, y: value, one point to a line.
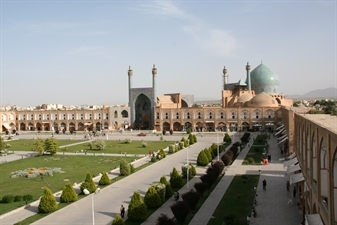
x: 329, y: 93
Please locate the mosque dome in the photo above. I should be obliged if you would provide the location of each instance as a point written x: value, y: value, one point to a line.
x: 264, y: 79
x: 244, y: 98
x: 263, y: 100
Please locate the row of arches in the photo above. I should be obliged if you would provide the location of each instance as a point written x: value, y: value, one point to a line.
x: 211, y: 126
x: 211, y: 114
x: 80, y: 126
x: 317, y: 153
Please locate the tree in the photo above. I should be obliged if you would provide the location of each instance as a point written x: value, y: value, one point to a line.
x: 152, y: 198
x: 100, y: 144
x: 163, y: 219
x: 68, y: 194
x: 51, y: 146
x: 105, y: 180
x: 202, y: 159
x: 47, y: 202
x: 118, y: 220
x: 208, y: 154
x: 124, y: 168
x: 227, y: 138
x: 175, y: 179
x: 2, y: 144
x: 38, y: 146
x: 137, y: 210
x: 180, y: 210
x: 168, y: 188
x: 191, y: 198
x: 89, y: 184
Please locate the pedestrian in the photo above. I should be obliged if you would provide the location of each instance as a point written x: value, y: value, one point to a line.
x: 288, y: 185
x: 264, y: 183
x: 122, y: 211
x: 294, y: 192
x: 41, y: 174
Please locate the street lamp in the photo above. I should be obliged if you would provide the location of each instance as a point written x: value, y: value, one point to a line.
x: 217, y: 144
x: 188, y: 167
x: 93, y: 207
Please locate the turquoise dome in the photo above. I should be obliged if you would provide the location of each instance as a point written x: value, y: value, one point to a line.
x: 264, y: 79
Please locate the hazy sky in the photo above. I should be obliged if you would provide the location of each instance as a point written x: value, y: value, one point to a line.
x: 78, y: 52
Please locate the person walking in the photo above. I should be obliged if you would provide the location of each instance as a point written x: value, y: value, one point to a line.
x: 264, y: 184
x: 122, y: 211
x: 294, y: 192
x: 288, y: 185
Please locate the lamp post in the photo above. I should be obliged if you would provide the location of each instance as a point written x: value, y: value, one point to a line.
x: 217, y: 144
x: 188, y: 167
x: 93, y: 206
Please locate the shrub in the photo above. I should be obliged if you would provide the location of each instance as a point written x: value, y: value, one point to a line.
x: 208, y: 154
x: 88, y: 184
x: 175, y: 179
x: 200, y: 187
x: 226, y: 158
x: 124, y: 168
x: 17, y: 198
x: 180, y: 210
x: 90, y: 145
x: 137, y: 210
x: 227, y: 138
x: 27, y: 197
x: 168, y: 188
x: 163, y: 219
x: 152, y: 198
x: 161, y: 189
x: 51, y: 146
x: 172, y: 149
x: 188, y: 130
x: 162, y: 153
x: 100, y: 144
x: 212, y: 172
x: 181, y: 145
x: 118, y: 220
x: 105, y: 180
x: 191, y: 139
x: 132, y: 168
x: 208, y: 179
x: 191, y: 198
x: 191, y: 170
x: 68, y: 194
x: 127, y: 141
x: 219, y: 166
x: 195, y: 138
x: 47, y: 202
x: 154, y: 159
x: 251, y: 161
x: 7, y: 199
x: 144, y: 144
x: 202, y: 159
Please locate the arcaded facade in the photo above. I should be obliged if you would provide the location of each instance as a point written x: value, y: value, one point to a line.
x: 314, y: 140
x: 104, y: 118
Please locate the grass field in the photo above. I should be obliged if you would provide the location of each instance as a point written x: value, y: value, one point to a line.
x: 237, y: 202
x: 256, y: 150
x: 75, y: 168
x: 135, y: 147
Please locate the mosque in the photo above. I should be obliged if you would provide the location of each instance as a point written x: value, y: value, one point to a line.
x: 252, y: 104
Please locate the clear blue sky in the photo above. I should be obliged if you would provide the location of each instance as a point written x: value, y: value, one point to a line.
x: 78, y: 52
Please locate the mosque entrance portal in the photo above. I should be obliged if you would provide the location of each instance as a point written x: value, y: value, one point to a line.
x: 143, y: 113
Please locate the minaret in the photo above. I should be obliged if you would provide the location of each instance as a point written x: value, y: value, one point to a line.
x: 154, y: 73
x: 248, y: 77
x: 225, y: 78
x: 130, y: 73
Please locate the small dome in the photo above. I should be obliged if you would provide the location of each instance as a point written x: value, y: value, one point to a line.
x: 244, y: 98
x: 264, y: 79
x: 263, y: 100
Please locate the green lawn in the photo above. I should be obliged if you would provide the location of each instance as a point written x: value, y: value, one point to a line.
x: 135, y: 147
x: 237, y: 201
x: 75, y: 168
x: 256, y: 150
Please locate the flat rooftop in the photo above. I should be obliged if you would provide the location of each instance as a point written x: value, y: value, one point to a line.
x: 324, y: 120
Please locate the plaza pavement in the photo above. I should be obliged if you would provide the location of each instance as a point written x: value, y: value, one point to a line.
x: 272, y: 207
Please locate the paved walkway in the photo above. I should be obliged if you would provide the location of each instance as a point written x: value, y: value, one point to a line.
x: 272, y: 207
